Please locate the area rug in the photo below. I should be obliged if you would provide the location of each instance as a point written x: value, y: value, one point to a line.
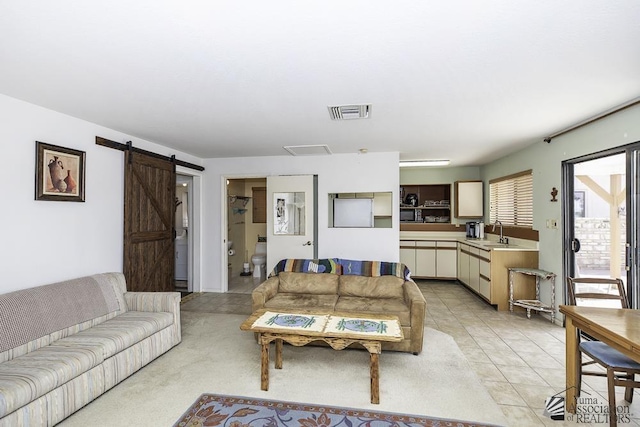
x: 220, y: 410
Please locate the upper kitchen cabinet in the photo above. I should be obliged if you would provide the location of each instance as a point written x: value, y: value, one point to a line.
x: 469, y: 202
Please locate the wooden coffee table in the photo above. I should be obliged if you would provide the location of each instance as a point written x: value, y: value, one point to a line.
x: 339, y: 330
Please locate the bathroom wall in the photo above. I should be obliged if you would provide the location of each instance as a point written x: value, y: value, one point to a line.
x: 236, y: 224
x: 253, y: 230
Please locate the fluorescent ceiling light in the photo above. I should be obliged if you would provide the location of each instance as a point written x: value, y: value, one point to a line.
x: 415, y: 163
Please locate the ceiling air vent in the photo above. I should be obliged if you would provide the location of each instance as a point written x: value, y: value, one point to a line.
x: 308, y: 150
x: 349, y: 112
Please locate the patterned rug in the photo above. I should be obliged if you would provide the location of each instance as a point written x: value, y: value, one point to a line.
x: 233, y: 411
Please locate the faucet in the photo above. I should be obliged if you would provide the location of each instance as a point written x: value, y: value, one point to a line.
x: 502, y: 238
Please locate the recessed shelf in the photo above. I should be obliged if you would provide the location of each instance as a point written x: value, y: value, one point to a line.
x: 433, y: 200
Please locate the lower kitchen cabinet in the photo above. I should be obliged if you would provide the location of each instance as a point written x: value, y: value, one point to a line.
x: 485, y: 272
x: 474, y: 269
x: 430, y: 259
x: 446, y: 260
x: 463, y: 263
x: 485, y: 277
x: 425, y: 259
x: 408, y: 254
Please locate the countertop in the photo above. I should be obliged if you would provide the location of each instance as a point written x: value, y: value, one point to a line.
x: 488, y: 244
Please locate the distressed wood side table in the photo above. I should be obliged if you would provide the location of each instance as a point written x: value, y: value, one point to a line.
x: 534, y: 304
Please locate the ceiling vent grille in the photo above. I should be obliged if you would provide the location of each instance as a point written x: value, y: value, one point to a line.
x: 308, y: 150
x: 350, y: 112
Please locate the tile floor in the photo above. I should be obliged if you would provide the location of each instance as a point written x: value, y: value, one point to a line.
x: 243, y: 284
x: 520, y: 361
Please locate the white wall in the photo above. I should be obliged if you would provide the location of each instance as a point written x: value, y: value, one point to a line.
x: 46, y: 241
x: 545, y: 159
x: 438, y: 175
x: 337, y: 173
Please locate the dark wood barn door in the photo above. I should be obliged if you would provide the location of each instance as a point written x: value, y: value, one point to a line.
x: 149, y: 218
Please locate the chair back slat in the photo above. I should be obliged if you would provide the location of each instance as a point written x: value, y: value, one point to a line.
x: 590, y: 282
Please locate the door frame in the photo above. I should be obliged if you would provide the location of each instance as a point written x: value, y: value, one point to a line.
x: 632, y: 183
x: 224, y: 218
x: 195, y: 227
x: 224, y: 224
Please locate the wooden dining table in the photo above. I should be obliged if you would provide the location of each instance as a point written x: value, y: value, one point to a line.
x: 617, y: 327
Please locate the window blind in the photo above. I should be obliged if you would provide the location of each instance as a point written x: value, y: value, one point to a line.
x: 512, y: 200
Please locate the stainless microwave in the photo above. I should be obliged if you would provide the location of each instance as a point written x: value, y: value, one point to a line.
x: 408, y: 215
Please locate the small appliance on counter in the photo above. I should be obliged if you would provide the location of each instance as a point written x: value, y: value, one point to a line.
x: 475, y: 230
x: 471, y: 229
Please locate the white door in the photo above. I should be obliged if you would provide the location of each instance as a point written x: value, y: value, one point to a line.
x: 290, y: 218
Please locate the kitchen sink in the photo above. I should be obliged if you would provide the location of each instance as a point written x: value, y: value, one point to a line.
x: 500, y: 245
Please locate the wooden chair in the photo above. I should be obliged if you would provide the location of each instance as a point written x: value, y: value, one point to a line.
x: 620, y: 369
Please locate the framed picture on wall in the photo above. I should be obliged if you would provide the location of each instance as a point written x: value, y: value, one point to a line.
x: 289, y: 213
x: 60, y: 173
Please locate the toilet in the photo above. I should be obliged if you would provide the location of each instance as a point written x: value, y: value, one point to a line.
x: 259, y: 259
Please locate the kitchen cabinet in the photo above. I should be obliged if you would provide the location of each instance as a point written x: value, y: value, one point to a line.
x: 429, y: 259
x: 469, y: 199
x: 382, y: 204
x: 408, y: 254
x: 463, y: 263
x: 484, y: 279
x: 474, y: 269
x: 446, y: 259
x: 344, y: 206
x: 485, y: 272
x: 425, y: 259
x: 433, y: 204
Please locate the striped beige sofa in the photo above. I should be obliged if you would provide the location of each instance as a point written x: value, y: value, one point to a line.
x: 62, y: 345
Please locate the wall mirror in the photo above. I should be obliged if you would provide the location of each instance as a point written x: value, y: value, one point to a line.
x: 360, y: 210
x: 289, y: 212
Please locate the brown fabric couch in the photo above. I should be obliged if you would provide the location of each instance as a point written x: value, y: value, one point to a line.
x: 349, y: 294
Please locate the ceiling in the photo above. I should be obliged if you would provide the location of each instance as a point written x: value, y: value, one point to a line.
x: 463, y: 80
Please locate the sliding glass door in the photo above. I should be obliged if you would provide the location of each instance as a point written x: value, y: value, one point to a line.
x: 600, y: 212
x: 633, y: 209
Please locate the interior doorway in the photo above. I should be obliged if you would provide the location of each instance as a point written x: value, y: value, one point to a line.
x: 246, y: 229
x: 600, y: 206
x: 183, y: 240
